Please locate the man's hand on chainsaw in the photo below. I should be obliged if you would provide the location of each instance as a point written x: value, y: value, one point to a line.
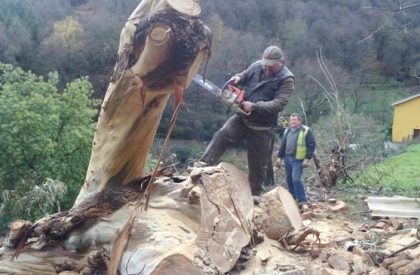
x: 247, y: 106
x: 234, y: 79
x: 279, y: 163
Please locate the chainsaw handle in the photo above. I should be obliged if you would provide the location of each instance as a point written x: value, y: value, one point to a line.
x: 226, y: 84
x: 232, y: 79
x: 243, y: 112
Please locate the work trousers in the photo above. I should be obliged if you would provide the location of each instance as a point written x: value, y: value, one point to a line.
x: 258, y: 144
x: 294, y: 169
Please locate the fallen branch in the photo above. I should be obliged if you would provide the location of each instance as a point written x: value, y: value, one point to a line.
x: 403, y: 249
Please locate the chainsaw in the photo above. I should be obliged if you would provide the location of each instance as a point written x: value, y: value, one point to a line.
x: 230, y: 95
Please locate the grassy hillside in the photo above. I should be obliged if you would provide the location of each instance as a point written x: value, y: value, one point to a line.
x: 400, y: 173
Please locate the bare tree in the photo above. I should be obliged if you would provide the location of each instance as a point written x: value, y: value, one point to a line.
x: 399, y: 15
x: 341, y: 134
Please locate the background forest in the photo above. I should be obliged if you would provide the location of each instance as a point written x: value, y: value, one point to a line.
x: 57, y: 56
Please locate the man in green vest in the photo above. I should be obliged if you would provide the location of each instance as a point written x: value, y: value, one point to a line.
x: 297, y: 149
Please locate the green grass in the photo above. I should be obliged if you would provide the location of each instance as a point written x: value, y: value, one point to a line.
x: 400, y: 173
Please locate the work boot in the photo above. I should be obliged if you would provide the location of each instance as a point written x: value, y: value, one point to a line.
x: 257, y: 199
x: 303, y: 207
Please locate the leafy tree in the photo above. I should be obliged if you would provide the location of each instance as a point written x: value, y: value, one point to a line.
x: 23, y: 24
x: 67, y: 33
x: 29, y: 201
x: 44, y: 132
x: 64, y: 49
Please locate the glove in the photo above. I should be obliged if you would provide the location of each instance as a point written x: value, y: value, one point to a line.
x: 306, y: 162
x: 279, y: 162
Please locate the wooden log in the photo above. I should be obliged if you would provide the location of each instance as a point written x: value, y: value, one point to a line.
x: 278, y: 214
x: 389, y: 261
x: 226, y: 213
x: 395, y: 266
x: 18, y: 229
x: 411, y: 268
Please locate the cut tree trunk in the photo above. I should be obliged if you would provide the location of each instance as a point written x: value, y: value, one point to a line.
x: 162, y: 46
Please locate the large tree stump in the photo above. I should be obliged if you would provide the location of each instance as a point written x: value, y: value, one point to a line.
x: 177, y: 233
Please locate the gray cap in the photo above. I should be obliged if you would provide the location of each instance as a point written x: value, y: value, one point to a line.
x: 271, y: 55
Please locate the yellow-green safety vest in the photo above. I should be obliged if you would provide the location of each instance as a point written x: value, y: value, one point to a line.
x: 300, y: 144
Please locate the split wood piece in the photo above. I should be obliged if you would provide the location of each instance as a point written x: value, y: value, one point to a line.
x: 18, y: 229
x: 339, y: 206
x: 279, y: 214
x: 366, y: 258
x: 379, y: 271
x: 177, y: 262
x: 358, y: 266
x: 338, y: 263
x: 330, y: 271
x: 399, y: 264
x: 409, y: 269
x: 391, y: 260
x: 226, y: 213
x: 413, y: 245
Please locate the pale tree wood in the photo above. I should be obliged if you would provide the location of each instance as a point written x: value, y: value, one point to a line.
x: 173, y: 234
x: 226, y: 213
x: 277, y: 214
x: 137, y: 95
x: 196, y: 226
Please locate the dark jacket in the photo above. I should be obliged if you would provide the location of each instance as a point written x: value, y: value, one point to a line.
x: 270, y: 96
x: 309, y: 141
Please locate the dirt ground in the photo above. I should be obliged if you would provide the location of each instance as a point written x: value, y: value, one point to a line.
x: 351, y: 241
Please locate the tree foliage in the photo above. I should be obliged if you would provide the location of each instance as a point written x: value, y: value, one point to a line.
x: 44, y: 132
x: 28, y: 200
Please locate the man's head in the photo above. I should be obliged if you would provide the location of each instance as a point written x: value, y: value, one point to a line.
x: 295, y: 120
x: 272, y: 60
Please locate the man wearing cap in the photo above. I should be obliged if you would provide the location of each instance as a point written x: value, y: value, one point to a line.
x: 268, y: 85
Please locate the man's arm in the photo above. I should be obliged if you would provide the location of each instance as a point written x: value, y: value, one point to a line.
x: 244, y: 76
x: 310, y: 144
x: 282, y: 148
x: 281, y: 98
